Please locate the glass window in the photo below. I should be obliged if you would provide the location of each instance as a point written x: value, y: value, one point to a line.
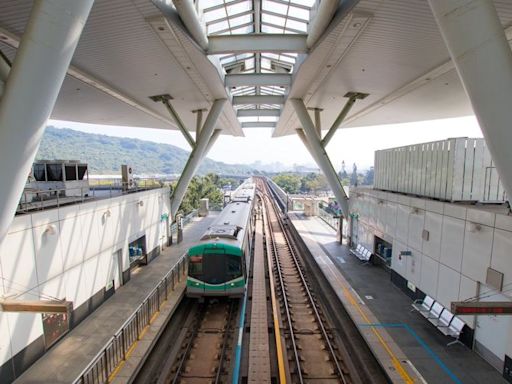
x: 39, y: 172
x: 82, y: 169
x: 195, y: 267
x: 233, y: 266
x: 70, y: 172
x: 54, y: 172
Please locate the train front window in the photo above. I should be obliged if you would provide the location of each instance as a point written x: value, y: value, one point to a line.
x: 195, y: 267
x: 233, y: 267
x: 214, y: 271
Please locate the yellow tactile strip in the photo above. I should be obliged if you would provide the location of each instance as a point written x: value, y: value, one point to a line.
x: 387, y: 352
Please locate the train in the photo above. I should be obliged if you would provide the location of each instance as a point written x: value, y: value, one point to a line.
x: 218, y: 263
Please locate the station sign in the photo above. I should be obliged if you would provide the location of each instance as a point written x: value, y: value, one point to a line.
x: 482, y: 308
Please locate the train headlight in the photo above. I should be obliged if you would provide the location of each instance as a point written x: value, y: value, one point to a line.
x: 232, y: 284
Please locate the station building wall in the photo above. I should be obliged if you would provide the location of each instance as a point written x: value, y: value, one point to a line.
x: 70, y: 253
x: 463, y: 241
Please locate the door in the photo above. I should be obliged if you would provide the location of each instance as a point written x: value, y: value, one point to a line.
x: 116, y: 271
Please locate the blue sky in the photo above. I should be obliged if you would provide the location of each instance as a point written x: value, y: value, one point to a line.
x: 351, y: 145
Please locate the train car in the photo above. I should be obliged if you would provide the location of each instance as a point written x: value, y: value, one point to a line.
x: 217, y: 264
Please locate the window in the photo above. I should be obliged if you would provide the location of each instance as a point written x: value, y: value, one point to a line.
x: 54, y: 172
x: 40, y: 172
x: 70, y: 172
x: 82, y: 169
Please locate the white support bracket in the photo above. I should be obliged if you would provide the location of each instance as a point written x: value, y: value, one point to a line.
x: 318, y: 152
x: 352, y: 98
x: 204, y: 143
x: 165, y: 99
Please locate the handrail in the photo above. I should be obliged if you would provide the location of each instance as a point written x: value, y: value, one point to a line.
x: 99, y: 370
x: 40, y: 199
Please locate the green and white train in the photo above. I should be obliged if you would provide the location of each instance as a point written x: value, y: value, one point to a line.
x: 217, y: 264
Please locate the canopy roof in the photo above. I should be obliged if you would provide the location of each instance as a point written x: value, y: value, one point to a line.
x: 131, y: 50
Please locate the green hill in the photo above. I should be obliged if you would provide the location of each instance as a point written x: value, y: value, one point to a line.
x: 105, y: 154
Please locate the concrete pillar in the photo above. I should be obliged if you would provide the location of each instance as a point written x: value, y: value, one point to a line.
x: 479, y: 49
x: 196, y: 155
x: 45, y: 51
x: 319, y: 154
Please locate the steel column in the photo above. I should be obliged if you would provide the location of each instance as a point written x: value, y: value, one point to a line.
x: 353, y: 96
x: 179, y: 122
x: 483, y: 60
x: 5, y: 67
x: 188, y: 15
x: 196, y: 155
x: 45, y: 51
x: 319, y: 154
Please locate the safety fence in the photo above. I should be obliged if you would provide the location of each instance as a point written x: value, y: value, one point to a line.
x: 100, y: 369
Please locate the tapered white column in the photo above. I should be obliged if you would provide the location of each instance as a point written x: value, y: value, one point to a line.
x: 34, y: 81
x: 319, y: 154
x: 479, y: 49
x: 196, y: 155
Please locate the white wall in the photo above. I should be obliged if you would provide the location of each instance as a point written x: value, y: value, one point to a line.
x: 463, y: 242
x: 76, y: 261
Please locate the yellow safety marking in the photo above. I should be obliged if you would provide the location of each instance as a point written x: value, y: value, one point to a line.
x: 277, y: 333
x: 132, y: 347
x: 396, y: 362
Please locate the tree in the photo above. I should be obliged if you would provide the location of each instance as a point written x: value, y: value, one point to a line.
x: 289, y: 182
x: 200, y: 188
x: 368, y: 177
x: 353, y: 177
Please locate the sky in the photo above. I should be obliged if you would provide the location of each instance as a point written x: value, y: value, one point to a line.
x: 352, y: 145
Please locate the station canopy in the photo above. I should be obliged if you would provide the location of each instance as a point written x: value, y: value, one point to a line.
x: 131, y: 50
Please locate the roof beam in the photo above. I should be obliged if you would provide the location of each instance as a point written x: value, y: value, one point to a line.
x: 257, y: 42
x: 188, y: 16
x: 258, y: 99
x: 258, y: 124
x: 258, y: 79
x: 258, y: 112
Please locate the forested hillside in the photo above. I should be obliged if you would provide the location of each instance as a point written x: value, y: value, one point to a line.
x: 105, y: 154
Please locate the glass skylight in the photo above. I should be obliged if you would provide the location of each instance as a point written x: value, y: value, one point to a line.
x: 226, y: 17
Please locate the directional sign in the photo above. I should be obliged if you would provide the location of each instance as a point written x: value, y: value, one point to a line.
x: 482, y: 308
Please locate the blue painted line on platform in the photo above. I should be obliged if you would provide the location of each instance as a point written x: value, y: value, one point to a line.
x: 421, y: 342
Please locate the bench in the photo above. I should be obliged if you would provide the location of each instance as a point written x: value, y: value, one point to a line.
x: 454, y: 329
x: 445, y: 321
x: 423, y: 305
x: 361, y: 253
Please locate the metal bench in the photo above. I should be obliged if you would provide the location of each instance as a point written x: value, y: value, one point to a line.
x: 454, y: 329
x: 423, y: 305
x: 442, y: 318
x: 435, y: 312
x: 361, y: 253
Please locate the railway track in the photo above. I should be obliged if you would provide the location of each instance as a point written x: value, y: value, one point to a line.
x: 312, y: 354
x: 205, y: 351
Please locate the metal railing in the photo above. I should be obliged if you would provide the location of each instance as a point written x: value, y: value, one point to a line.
x: 100, y: 369
x: 186, y: 220
x: 40, y: 199
x: 333, y: 222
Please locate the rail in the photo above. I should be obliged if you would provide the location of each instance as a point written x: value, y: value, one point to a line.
x: 100, y: 369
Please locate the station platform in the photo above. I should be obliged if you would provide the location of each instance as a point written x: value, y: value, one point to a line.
x: 66, y: 360
x: 383, y: 315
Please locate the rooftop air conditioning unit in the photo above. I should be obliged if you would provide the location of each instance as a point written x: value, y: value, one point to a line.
x: 127, y: 177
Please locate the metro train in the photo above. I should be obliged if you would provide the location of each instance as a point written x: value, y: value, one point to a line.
x: 217, y: 264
